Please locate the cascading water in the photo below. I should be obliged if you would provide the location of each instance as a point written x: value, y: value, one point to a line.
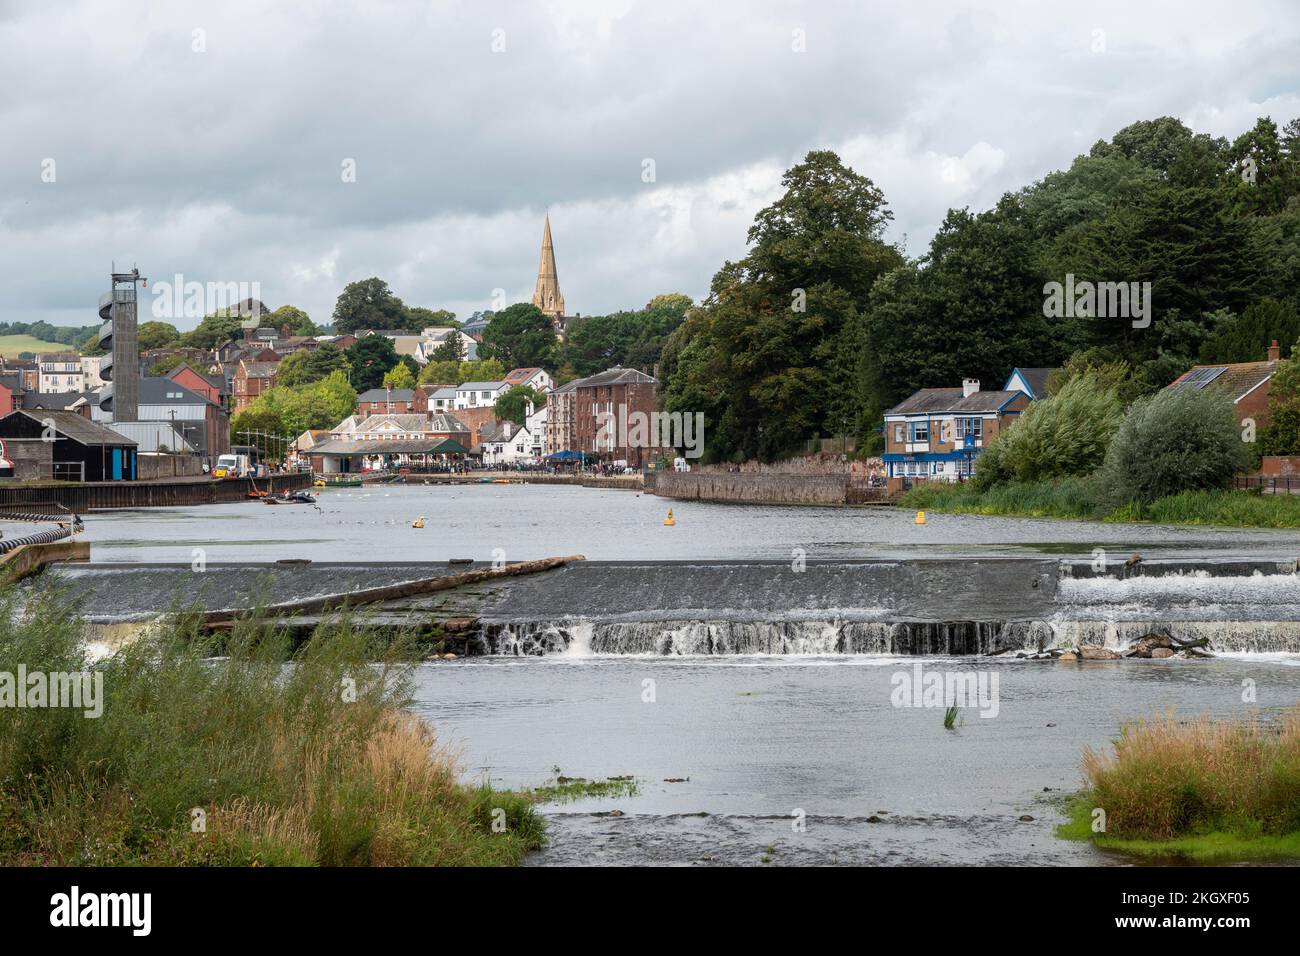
x: 1255, y: 612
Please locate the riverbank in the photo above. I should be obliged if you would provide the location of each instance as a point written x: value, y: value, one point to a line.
x: 195, y: 759
x: 1080, y: 499
x: 80, y: 497
x: 1198, y: 790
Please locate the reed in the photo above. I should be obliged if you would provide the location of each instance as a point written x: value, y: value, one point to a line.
x: 265, y: 755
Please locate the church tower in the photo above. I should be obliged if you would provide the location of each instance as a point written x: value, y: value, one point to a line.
x: 547, y: 295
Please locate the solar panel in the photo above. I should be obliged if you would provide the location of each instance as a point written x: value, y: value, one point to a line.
x: 1201, y: 377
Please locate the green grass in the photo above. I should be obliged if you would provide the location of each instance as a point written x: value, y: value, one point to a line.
x: 11, y: 346
x: 1195, y: 790
x: 1078, y: 499
x: 295, y: 756
x: 1209, y: 847
x: 562, y: 789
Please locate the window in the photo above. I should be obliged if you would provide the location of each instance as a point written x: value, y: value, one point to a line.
x: 972, y: 429
x: 898, y: 433
x: 920, y: 431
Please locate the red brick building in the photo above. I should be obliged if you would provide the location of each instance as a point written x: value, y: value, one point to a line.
x: 393, y: 401
x: 606, y: 408
x: 252, y: 378
x: 1247, y: 384
x: 211, y: 387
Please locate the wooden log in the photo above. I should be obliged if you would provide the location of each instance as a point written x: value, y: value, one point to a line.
x: 392, y: 592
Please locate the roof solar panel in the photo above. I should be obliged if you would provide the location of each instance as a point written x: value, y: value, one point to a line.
x: 1201, y: 377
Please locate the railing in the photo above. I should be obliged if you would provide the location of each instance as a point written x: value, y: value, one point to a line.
x: 1269, y: 485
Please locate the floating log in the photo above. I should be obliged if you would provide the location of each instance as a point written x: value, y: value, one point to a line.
x: 392, y: 592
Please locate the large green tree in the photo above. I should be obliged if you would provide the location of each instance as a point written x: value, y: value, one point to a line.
x: 368, y: 304
x: 520, y: 336
x: 370, y: 359
x: 763, y: 358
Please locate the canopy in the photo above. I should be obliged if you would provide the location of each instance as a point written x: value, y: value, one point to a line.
x: 569, y: 456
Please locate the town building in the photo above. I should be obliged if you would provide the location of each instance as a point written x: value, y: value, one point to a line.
x: 381, y: 442
x: 90, y: 377
x: 535, y: 378
x: 251, y: 379
x: 479, y: 394
x: 60, y: 372
x: 11, y: 390
x: 561, y: 406
x: 937, y: 433
x: 46, y: 444
x: 439, y: 398
x: 1246, y: 383
x: 392, y: 401
x: 434, y: 337
x: 203, y: 423
x: 1031, y: 381
x: 78, y: 402
x: 210, y: 386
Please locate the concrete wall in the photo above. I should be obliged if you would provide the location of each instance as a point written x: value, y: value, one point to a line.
x: 149, y: 467
x: 768, y: 489
x: 32, y: 458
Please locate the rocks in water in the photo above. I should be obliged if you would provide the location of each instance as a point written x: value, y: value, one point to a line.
x: 1164, y: 646
x: 1093, y: 652
x: 1026, y: 818
x: 1068, y: 656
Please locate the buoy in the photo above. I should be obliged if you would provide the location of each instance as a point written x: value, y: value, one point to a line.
x: 920, y: 517
x: 670, y: 521
x: 418, y: 522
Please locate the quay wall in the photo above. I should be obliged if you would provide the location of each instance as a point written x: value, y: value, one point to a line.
x: 750, y: 488
x: 89, y: 496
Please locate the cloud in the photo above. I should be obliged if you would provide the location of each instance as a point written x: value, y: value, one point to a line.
x: 209, y: 140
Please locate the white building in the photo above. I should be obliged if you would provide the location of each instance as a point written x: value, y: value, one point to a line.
x: 442, y: 399
x: 90, y: 365
x: 534, y: 378
x: 480, y: 394
x: 60, y: 372
x: 435, y: 336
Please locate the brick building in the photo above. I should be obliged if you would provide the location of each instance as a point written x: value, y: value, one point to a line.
x: 1246, y: 383
x: 592, y: 415
x: 252, y: 378
x: 937, y: 433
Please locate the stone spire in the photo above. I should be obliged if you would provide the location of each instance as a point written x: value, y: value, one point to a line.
x: 547, y: 295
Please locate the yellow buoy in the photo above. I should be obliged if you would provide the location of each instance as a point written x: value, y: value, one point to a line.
x: 418, y: 522
x: 920, y: 517
x: 670, y: 520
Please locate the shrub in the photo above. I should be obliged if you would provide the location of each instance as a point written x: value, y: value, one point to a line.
x: 286, y: 767
x: 1066, y: 434
x: 1182, y: 439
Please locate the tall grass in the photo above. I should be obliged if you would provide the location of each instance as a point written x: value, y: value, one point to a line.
x: 301, y: 757
x: 1226, y: 782
x: 1083, y: 498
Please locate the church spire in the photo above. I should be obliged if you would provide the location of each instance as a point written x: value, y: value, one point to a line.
x: 547, y: 295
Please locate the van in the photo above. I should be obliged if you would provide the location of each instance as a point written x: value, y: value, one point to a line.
x: 232, y: 466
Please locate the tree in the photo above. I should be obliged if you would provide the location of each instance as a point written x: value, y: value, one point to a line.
x: 156, y: 335
x: 452, y: 349
x: 1062, y: 435
x: 214, y: 330
x: 292, y: 370
x: 418, y: 318
x: 1245, y: 338
x: 399, y: 377
x: 1282, y: 434
x: 440, y: 373
x: 520, y: 336
x: 297, y: 321
x: 370, y: 359
x: 759, y: 359
x: 323, y: 360
x: 368, y: 304
x: 1182, y: 439
x: 513, y: 406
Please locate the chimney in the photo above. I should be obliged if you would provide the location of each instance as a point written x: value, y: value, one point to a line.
x: 969, y: 386
x: 1274, y: 352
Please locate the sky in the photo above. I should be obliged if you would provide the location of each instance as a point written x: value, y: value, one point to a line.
x: 299, y: 146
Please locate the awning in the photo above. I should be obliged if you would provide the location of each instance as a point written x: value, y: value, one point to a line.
x: 569, y: 456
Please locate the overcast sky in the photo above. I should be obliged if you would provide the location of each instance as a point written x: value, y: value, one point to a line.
x: 220, y: 154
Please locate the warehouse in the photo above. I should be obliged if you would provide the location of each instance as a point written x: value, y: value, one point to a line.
x: 80, y: 450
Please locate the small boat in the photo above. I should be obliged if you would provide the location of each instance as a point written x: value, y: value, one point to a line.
x: 502, y: 481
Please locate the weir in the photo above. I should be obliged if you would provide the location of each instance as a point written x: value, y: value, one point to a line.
x: 923, y: 607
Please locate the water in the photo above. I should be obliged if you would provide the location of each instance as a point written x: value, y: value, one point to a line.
x: 530, y: 521
x: 762, y: 738
x: 699, y: 653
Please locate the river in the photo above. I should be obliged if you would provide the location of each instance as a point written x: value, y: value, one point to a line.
x: 795, y: 757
